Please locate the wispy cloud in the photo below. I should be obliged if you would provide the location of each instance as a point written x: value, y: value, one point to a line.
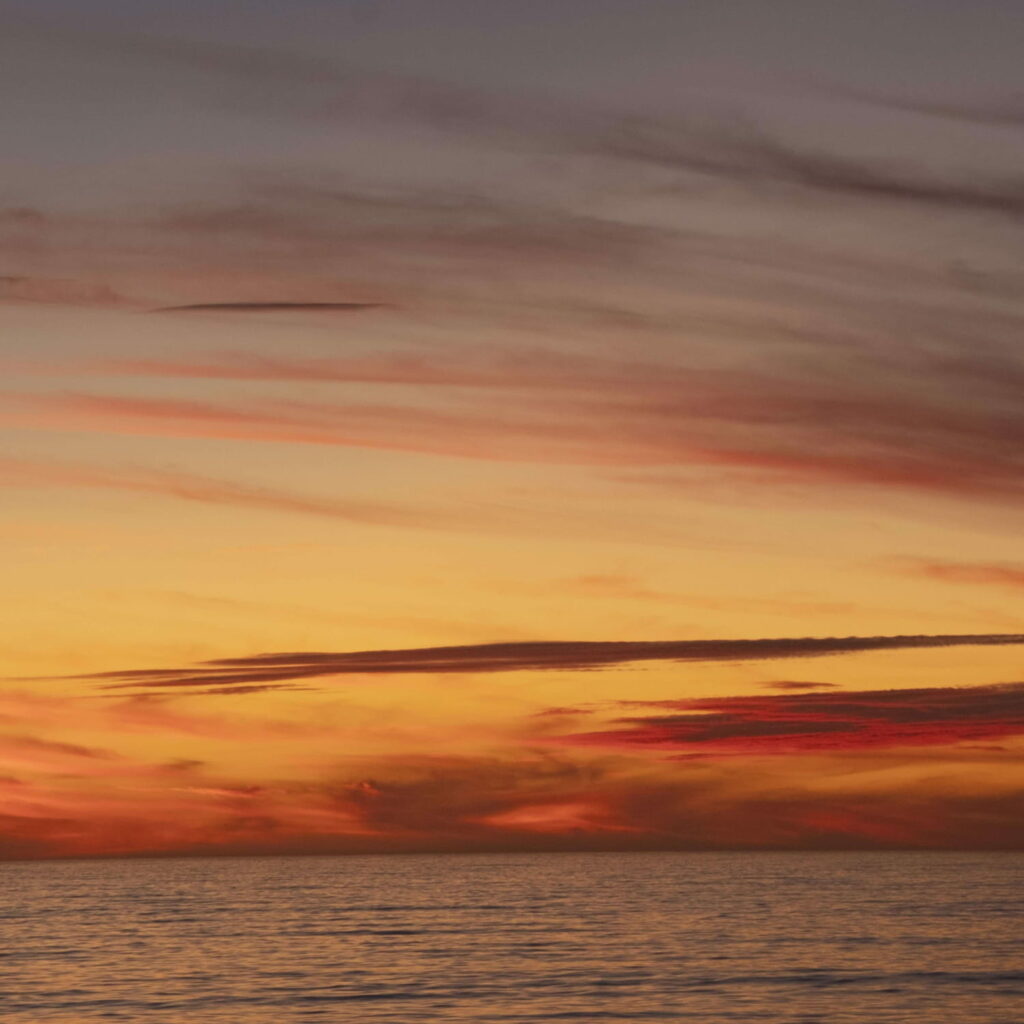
x: 756, y: 159
x: 689, y: 144
x: 998, y: 110
x: 26, y: 715
x: 261, y: 669
x: 623, y: 586
x: 999, y: 574
x: 574, y: 410
x: 796, y: 685
x: 271, y: 307
x: 504, y: 368
x: 842, y: 366
x: 211, y: 491
x: 822, y: 721
x: 59, y: 291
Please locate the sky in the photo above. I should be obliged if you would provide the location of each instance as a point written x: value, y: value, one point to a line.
x: 444, y: 426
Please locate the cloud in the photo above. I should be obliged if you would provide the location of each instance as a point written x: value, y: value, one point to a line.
x: 33, y: 755
x: 57, y: 291
x: 496, y: 368
x: 262, y: 669
x: 528, y: 800
x: 807, y: 722
x: 861, y: 410
x: 208, y: 490
x: 754, y: 158
x: 548, y: 792
x: 73, y: 750
x: 239, y: 691
x: 764, y: 429
x: 416, y: 804
x: 405, y: 236
x: 277, y: 80
x: 451, y: 514
x: 981, y: 574
x: 271, y: 307
x: 1000, y: 111
x: 552, y: 802
x: 851, y: 365
x: 180, y: 811
x: 683, y: 143
x: 31, y: 714
x: 797, y: 684
x: 323, y: 238
x: 622, y: 586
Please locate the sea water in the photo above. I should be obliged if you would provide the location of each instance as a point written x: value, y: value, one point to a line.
x: 837, y: 938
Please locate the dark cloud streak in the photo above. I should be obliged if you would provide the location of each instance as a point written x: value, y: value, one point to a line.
x: 262, y: 669
x: 271, y: 307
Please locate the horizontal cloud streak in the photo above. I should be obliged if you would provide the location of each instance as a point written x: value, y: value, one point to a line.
x: 823, y: 721
x: 797, y: 685
x: 687, y: 145
x: 987, y: 574
x: 58, y: 291
x: 271, y: 307
x: 206, y: 490
x: 1003, y: 111
x: 758, y: 159
x: 513, y: 657
x: 570, y: 409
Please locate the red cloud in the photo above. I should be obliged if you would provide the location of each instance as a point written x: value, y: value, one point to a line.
x: 831, y: 721
x: 545, y: 406
x: 523, y: 801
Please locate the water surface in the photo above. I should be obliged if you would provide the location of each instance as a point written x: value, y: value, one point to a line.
x: 832, y: 938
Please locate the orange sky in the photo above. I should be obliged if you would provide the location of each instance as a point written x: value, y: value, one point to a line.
x: 333, y: 434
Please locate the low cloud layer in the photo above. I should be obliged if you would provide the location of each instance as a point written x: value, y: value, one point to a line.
x: 526, y: 801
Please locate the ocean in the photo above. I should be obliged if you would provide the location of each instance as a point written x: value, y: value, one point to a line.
x: 837, y: 938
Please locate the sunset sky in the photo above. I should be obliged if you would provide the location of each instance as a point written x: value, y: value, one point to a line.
x: 459, y: 425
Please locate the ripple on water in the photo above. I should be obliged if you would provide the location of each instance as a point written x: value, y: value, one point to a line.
x: 836, y: 938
